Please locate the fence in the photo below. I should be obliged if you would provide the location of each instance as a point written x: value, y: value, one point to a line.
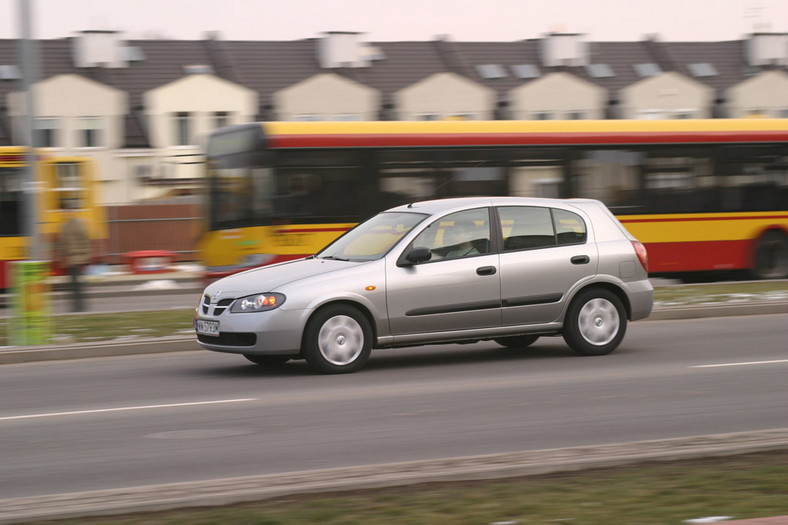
x: 171, y: 227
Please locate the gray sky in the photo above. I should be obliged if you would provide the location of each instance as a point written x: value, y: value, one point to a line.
x: 391, y: 20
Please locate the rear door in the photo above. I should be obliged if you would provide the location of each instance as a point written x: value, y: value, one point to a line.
x: 545, y: 253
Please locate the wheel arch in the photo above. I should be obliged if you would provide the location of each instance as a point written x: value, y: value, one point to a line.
x: 344, y: 302
x: 603, y: 285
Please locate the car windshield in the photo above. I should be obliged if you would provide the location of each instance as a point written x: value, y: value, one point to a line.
x: 373, y: 238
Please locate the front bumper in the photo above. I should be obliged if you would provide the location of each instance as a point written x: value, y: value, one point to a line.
x: 275, y: 332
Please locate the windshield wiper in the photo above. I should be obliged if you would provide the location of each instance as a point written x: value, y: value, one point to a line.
x: 333, y: 258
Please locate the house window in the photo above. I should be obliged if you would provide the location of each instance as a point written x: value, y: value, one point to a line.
x: 182, y: 131
x: 45, y: 130
x: 651, y: 114
x: 683, y: 114
x: 90, y: 132
x: 576, y: 115
x: 69, y: 186
x: 543, y: 115
x: 221, y: 119
x: 347, y: 117
x: 308, y: 117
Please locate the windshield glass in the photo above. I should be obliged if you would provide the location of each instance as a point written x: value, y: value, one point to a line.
x: 372, y: 239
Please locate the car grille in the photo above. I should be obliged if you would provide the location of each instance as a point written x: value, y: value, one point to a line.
x: 229, y: 339
x: 219, y: 309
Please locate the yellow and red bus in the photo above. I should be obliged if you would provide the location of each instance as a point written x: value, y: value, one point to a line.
x: 702, y: 195
x: 63, y: 183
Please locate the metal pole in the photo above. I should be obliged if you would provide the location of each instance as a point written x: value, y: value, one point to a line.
x: 29, y: 78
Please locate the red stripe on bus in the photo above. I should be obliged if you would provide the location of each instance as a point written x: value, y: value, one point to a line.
x: 483, y: 139
x: 714, y: 218
x: 699, y: 256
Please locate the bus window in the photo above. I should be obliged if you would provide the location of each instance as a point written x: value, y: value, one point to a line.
x: 320, y: 184
x: 11, y: 201
x: 754, y: 178
x: 611, y: 176
x: 407, y: 175
x: 648, y: 180
x: 536, y: 172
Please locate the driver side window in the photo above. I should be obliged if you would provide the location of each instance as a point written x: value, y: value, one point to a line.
x: 456, y: 236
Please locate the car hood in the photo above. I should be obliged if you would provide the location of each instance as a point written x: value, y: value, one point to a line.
x: 269, y: 278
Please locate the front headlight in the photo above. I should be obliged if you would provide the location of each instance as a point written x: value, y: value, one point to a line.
x: 257, y: 303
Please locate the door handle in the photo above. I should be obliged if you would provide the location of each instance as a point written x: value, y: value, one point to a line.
x: 486, y: 270
x: 580, y: 259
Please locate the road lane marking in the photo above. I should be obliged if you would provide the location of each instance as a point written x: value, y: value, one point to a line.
x: 123, y: 409
x: 747, y: 363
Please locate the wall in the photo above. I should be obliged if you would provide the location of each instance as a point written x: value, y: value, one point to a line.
x: 327, y: 97
x: 445, y: 95
x: 665, y: 96
x: 558, y: 94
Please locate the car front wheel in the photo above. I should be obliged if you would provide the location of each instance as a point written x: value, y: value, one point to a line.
x: 338, y: 339
x: 595, y: 323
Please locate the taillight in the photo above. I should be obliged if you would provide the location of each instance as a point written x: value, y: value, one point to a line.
x: 642, y: 254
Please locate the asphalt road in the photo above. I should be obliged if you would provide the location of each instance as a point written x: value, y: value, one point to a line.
x: 127, y: 421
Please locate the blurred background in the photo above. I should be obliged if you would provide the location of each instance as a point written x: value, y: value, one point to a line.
x: 126, y: 94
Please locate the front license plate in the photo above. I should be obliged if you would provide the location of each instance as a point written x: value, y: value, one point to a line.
x: 205, y: 327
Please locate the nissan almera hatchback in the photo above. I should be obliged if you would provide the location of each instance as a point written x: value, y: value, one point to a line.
x: 506, y: 269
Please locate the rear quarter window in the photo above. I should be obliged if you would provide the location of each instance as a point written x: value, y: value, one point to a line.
x: 570, y: 228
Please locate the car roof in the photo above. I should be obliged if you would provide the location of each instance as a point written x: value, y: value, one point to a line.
x: 440, y: 206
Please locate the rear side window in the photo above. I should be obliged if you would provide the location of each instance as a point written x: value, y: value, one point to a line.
x: 569, y: 227
x: 528, y: 227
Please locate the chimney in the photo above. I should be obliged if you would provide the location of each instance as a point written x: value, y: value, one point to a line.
x: 564, y: 49
x: 344, y: 49
x: 767, y: 49
x: 99, y: 49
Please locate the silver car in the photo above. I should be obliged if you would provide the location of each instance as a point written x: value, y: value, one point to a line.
x: 506, y: 269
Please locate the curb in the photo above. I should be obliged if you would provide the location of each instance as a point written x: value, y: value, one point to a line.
x: 28, y: 354
x: 486, y: 467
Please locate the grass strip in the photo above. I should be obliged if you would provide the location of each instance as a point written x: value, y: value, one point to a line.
x: 746, y: 486
x: 79, y: 328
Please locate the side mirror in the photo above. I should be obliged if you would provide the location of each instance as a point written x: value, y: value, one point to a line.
x: 418, y: 255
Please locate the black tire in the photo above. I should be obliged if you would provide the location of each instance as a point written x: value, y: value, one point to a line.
x: 771, y: 256
x: 517, y: 341
x: 268, y: 360
x: 337, y: 340
x: 595, y: 323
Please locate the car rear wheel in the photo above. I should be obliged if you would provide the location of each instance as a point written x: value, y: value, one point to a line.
x: 338, y: 339
x: 596, y: 322
x: 517, y: 341
x: 268, y: 359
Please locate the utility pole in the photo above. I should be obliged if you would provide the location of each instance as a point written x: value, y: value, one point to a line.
x: 31, y: 322
x: 27, y: 48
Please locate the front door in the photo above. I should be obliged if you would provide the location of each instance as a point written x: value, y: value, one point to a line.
x: 457, y: 289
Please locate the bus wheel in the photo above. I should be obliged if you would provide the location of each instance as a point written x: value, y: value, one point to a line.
x: 771, y: 256
x: 595, y: 323
x: 268, y: 359
x: 337, y: 340
x: 517, y: 341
